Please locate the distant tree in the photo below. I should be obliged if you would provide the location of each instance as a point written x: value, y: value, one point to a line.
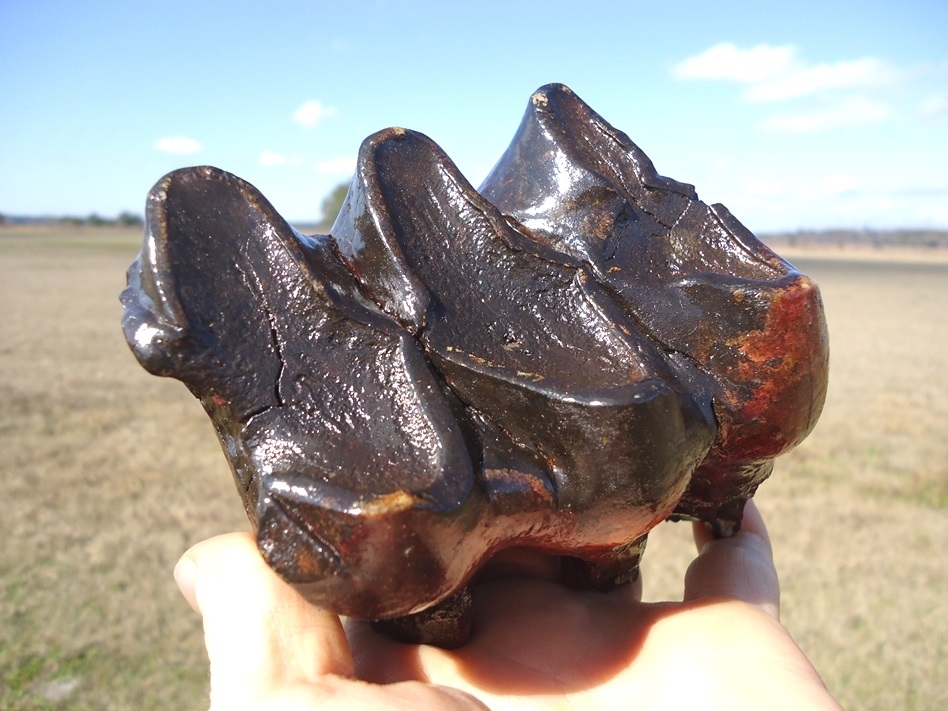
x: 333, y: 203
x: 129, y: 219
x: 3, y: 219
x: 94, y: 220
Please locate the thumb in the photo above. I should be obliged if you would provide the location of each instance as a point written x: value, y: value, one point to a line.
x: 260, y: 633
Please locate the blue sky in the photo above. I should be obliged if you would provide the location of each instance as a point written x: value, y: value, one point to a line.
x: 812, y: 115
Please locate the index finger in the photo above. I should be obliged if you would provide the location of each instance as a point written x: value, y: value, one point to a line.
x: 752, y: 522
x: 736, y: 568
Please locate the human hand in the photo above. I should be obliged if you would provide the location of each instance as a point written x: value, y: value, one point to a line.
x: 536, y: 643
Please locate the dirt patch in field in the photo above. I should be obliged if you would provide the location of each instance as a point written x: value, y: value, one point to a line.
x: 109, y: 474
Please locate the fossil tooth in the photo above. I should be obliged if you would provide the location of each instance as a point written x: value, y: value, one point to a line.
x: 560, y: 362
x: 690, y: 274
x: 524, y: 336
x: 335, y: 427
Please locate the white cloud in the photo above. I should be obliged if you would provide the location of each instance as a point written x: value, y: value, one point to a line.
x: 728, y: 62
x: 849, y: 112
x: 311, y: 113
x: 339, y: 45
x: 776, y: 73
x: 933, y: 106
x: 802, y: 80
x: 178, y: 144
x: 762, y: 187
x: 838, y: 184
x: 337, y: 166
x: 272, y: 158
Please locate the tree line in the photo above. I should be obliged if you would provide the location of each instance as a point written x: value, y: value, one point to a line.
x: 124, y: 219
x: 915, y: 238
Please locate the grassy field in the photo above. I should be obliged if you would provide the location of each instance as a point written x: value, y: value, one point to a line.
x: 109, y: 474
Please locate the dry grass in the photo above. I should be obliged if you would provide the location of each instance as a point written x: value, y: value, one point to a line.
x: 108, y: 474
x: 859, y: 512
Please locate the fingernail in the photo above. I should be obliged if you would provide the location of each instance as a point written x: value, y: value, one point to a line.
x: 184, y: 574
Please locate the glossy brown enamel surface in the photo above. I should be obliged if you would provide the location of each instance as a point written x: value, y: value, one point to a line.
x: 697, y: 281
x: 559, y: 361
